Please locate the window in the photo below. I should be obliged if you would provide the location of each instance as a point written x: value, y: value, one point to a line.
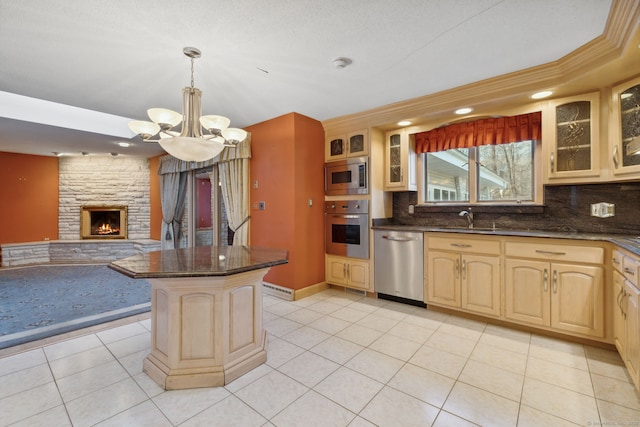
x: 502, y: 173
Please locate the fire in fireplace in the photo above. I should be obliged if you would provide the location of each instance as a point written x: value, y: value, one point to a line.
x: 103, y: 222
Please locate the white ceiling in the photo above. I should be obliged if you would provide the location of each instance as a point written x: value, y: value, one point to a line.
x: 260, y: 58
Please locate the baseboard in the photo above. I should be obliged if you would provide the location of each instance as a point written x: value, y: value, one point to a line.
x: 310, y: 290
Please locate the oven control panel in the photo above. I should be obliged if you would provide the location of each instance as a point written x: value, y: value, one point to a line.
x: 347, y: 206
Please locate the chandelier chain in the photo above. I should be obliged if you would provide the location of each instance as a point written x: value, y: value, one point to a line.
x: 192, y: 59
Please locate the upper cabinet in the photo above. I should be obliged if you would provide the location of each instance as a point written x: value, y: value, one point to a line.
x: 624, y: 130
x: 400, y: 162
x: 340, y: 147
x: 571, y: 130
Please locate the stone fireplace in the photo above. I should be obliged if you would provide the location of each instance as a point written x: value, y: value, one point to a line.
x: 103, y: 222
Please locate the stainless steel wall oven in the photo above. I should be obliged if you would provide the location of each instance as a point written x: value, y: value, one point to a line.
x: 347, y: 228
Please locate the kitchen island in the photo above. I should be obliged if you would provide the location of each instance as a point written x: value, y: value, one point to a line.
x: 206, y: 312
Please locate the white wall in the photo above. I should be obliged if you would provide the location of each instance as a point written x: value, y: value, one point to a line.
x: 103, y: 180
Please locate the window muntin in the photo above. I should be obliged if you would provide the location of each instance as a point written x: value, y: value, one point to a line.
x: 503, y: 173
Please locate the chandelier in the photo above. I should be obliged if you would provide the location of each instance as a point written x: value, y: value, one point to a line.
x: 200, y: 137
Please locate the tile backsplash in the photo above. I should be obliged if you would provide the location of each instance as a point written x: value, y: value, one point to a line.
x: 567, y: 208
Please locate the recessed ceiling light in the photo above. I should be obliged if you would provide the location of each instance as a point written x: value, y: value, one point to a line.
x: 465, y: 110
x: 540, y: 95
x: 404, y: 123
x: 342, y: 62
x: 124, y: 144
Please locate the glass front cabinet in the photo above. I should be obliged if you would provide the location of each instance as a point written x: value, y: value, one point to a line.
x: 571, y: 139
x: 340, y: 147
x: 625, y: 130
x: 400, y: 162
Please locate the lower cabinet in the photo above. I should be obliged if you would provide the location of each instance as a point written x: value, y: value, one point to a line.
x: 565, y: 297
x: 626, y: 320
x: 458, y: 279
x: 349, y: 272
x: 556, y: 286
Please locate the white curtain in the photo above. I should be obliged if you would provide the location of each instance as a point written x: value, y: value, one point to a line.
x: 234, y: 177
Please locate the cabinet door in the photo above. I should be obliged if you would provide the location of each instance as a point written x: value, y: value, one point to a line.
x: 527, y: 291
x: 632, y: 340
x: 443, y: 278
x: 619, y: 320
x: 577, y: 299
x: 336, y: 270
x: 625, y: 129
x: 400, y: 163
x: 480, y: 284
x: 335, y: 148
x: 358, y: 274
x: 358, y: 144
x: 573, y: 134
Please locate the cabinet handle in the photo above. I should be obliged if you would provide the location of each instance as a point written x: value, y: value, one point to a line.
x: 460, y: 245
x: 348, y: 271
x: 552, y: 161
x: 615, y: 156
x: 464, y: 269
x: 555, y: 282
x: 546, y: 280
x: 344, y: 270
x: 624, y: 313
x: 630, y: 271
x: 457, y: 268
x: 615, y: 261
x: 619, y: 300
x: 540, y: 251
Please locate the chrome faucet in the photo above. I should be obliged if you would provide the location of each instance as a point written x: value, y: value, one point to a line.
x: 469, y: 216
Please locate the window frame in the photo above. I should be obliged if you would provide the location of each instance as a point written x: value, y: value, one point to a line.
x: 473, y: 183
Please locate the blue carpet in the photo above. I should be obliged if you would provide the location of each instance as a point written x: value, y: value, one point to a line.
x: 39, y: 302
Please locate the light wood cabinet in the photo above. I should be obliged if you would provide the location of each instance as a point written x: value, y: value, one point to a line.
x: 624, y: 128
x: 400, y: 162
x: 626, y: 311
x: 349, y: 272
x: 339, y: 147
x: 571, y: 130
x: 554, y: 288
x: 462, y: 273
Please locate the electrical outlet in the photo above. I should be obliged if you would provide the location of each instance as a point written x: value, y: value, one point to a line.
x: 603, y: 210
x: 411, y: 209
x: 261, y: 205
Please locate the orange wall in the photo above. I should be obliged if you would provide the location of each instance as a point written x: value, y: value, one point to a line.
x: 287, y: 159
x: 155, y: 222
x: 28, y: 198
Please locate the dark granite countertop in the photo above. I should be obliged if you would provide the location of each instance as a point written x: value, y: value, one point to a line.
x: 628, y: 242
x: 200, y: 261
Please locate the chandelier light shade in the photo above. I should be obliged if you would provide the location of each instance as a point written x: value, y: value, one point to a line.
x: 199, y: 138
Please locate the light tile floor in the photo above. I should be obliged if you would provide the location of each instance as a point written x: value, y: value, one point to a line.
x: 334, y: 359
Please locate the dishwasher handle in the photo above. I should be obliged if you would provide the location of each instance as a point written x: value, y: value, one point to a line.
x: 399, y: 239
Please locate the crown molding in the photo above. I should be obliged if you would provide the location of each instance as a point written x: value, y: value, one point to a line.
x: 513, y: 88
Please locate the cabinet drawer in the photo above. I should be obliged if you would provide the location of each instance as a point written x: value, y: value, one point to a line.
x: 616, y: 260
x: 550, y: 252
x: 631, y: 269
x: 488, y: 247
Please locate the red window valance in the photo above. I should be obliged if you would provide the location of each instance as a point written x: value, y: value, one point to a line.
x: 492, y: 131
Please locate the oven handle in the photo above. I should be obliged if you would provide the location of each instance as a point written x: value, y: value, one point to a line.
x: 347, y: 216
x: 399, y: 239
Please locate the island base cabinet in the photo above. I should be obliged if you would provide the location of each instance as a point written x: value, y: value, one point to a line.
x: 565, y: 297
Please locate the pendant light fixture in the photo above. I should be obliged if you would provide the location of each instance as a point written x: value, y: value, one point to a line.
x: 200, y: 138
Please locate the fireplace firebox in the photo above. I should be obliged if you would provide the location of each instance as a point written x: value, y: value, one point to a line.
x: 103, y: 222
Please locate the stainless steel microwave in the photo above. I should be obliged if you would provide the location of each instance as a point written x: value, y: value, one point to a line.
x: 349, y: 176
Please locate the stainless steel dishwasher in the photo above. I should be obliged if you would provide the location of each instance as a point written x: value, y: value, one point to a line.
x: 398, y: 266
